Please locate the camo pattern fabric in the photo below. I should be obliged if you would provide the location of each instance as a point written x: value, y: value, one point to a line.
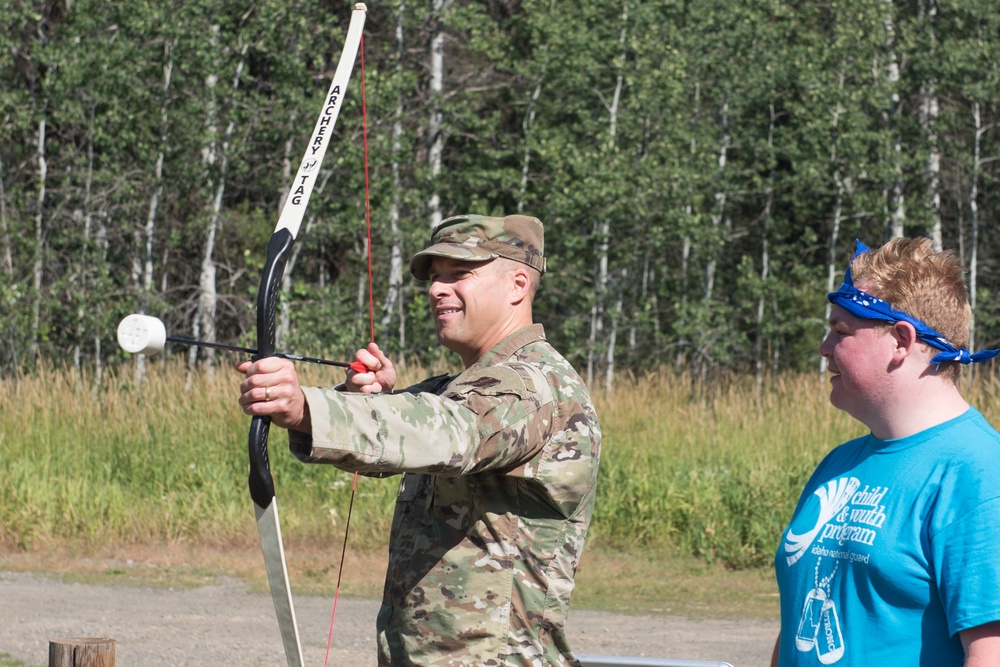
x: 500, y: 468
x: 478, y: 238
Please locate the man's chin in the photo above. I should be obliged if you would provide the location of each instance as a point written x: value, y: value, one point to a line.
x: 445, y: 340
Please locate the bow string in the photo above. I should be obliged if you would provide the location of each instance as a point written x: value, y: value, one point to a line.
x: 371, y: 326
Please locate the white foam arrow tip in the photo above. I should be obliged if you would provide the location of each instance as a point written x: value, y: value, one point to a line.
x: 142, y: 334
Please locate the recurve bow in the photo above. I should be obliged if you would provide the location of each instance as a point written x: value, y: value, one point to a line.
x: 260, y: 480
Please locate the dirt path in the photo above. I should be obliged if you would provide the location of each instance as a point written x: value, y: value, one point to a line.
x: 226, y: 625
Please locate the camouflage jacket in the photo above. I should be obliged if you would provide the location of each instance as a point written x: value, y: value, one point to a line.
x: 500, y: 468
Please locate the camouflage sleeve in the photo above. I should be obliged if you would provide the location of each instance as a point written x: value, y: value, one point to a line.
x: 485, y: 420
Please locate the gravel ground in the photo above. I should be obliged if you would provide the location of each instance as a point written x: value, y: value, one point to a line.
x: 225, y: 624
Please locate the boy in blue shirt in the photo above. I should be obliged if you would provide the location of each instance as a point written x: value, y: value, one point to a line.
x: 892, y: 555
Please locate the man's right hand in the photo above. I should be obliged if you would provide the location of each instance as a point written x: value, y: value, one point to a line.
x: 381, y: 376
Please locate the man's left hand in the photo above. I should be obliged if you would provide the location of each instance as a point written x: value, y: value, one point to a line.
x: 271, y: 389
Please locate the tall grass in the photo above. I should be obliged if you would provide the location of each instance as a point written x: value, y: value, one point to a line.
x: 712, y: 471
x: 164, y: 460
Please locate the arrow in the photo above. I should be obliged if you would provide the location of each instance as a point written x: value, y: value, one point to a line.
x: 145, y: 334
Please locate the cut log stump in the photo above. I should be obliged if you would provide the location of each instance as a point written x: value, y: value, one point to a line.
x: 82, y: 652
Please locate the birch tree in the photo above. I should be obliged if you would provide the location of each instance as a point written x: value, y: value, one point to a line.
x: 435, y: 135
x: 603, y: 231
x: 929, y: 106
x: 8, y: 257
x: 393, y: 304
x: 38, y: 265
x: 895, y: 203
x: 217, y: 158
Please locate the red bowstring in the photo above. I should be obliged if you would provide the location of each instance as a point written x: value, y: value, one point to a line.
x: 371, y: 322
x: 340, y: 572
x: 368, y: 204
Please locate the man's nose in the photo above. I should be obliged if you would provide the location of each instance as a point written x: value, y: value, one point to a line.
x: 438, y: 288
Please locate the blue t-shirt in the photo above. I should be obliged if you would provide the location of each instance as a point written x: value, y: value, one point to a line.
x: 893, y: 548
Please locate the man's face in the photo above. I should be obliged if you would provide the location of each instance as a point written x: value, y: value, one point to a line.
x: 469, y: 305
x: 860, y: 353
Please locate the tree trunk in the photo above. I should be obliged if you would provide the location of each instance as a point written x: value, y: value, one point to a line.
x: 838, y: 211
x: 154, y: 200
x: 603, y: 232
x: 83, y: 652
x: 609, y: 361
x: 600, y: 290
x: 932, y: 168
x: 528, y: 123
x: 646, y: 294
x: 526, y: 126
x: 435, y: 138
x: 928, y: 129
x: 208, y: 297
x: 101, y: 246
x: 86, y: 264
x: 40, y: 240
x: 394, y: 293
x: 363, y: 314
x: 8, y: 257
x: 720, y: 204
x: 682, y: 341
x: 977, y: 169
x: 284, y: 306
x: 149, y: 232
x: 895, y: 203
x: 765, y: 260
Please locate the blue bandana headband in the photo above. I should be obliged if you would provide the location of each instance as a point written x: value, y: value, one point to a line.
x: 869, y: 307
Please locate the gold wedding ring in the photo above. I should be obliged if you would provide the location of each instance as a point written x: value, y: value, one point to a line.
x: 267, y: 393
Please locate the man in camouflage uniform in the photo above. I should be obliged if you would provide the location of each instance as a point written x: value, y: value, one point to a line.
x: 499, y: 462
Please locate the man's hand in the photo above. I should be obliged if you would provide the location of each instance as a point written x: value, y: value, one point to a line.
x: 271, y: 389
x: 381, y: 375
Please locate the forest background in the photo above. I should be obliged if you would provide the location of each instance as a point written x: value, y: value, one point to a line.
x: 702, y: 169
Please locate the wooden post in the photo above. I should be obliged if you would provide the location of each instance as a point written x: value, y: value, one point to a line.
x: 86, y: 652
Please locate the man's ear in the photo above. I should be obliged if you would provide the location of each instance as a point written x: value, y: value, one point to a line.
x: 521, y: 282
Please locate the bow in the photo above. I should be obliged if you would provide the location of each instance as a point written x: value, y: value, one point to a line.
x: 260, y: 481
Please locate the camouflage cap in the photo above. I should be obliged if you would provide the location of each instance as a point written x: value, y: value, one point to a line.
x: 479, y: 238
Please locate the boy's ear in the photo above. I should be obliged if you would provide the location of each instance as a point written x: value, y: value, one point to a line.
x: 906, y: 339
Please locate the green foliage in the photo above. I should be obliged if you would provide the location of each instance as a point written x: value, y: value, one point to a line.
x: 673, y: 142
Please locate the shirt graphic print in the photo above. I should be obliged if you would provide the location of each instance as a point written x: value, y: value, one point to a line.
x: 839, y: 523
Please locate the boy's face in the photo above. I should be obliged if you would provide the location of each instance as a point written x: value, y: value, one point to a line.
x: 860, y: 353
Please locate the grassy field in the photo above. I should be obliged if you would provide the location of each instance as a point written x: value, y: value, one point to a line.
x: 148, y: 481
